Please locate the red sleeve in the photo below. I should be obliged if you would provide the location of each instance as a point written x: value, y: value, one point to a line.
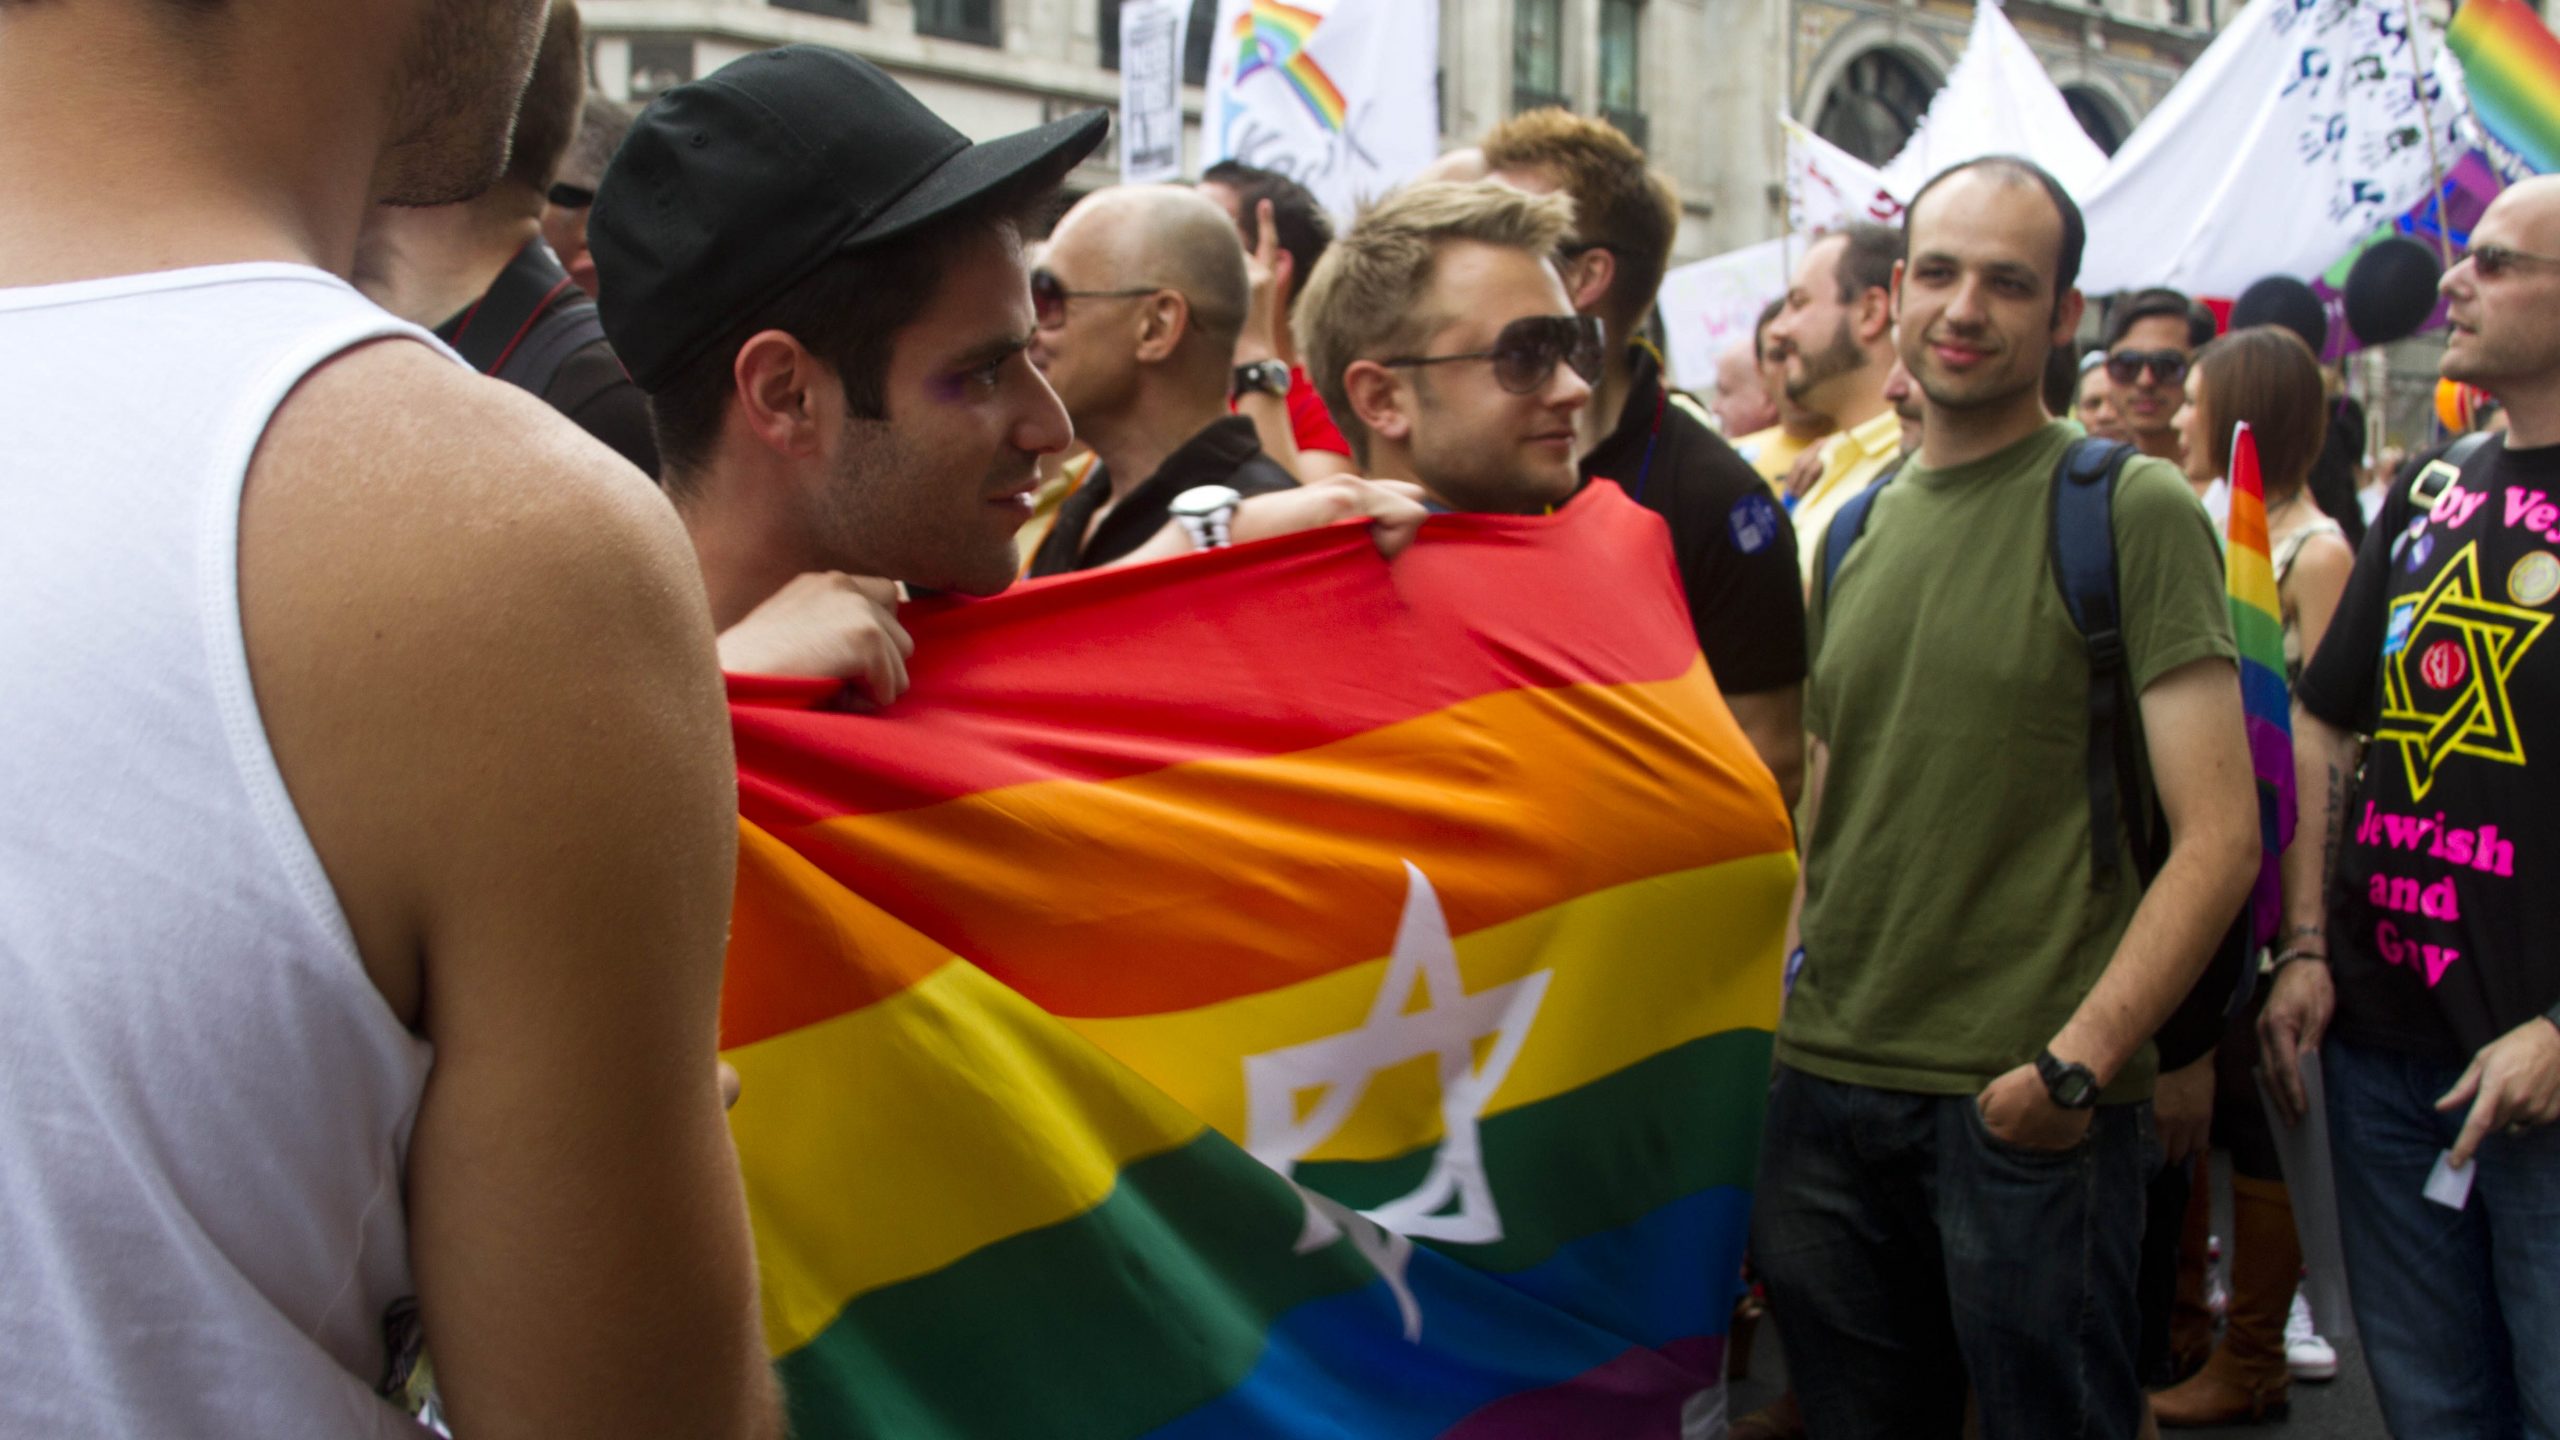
x: 1309, y: 423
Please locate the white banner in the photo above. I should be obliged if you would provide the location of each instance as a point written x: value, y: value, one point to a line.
x: 1708, y: 306
x: 1151, y: 35
x: 1827, y: 187
x: 1340, y: 95
x: 2301, y: 128
x: 1998, y: 101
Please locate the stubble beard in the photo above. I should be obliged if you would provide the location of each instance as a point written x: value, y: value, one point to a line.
x: 462, y: 77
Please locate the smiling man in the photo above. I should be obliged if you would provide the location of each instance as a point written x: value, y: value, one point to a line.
x: 1965, y: 1063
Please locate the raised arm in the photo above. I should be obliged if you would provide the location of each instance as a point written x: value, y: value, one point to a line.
x: 485, y: 662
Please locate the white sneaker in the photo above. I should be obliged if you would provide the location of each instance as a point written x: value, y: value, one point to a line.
x: 2305, y: 1353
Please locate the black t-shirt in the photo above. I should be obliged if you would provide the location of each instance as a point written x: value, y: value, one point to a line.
x: 2445, y: 911
x: 525, y: 329
x: 1734, y: 546
x: 1226, y: 453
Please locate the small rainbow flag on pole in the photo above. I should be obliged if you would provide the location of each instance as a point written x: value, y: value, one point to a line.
x: 2511, y: 66
x: 2257, y: 621
x: 1270, y: 995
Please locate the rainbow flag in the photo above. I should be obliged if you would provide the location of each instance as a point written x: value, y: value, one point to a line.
x: 2511, y: 66
x: 1274, y: 993
x: 2257, y: 621
x: 1273, y: 36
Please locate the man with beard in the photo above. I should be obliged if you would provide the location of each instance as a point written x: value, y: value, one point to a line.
x: 836, y: 337
x: 2429, y: 970
x: 372, y: 818
x: 1964, y: 1065
x: 1837, y: 333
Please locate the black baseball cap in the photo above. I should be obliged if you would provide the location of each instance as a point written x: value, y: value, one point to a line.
x: 735, y: 187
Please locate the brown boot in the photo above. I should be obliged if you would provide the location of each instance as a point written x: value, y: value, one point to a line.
x: 2190, y: 1322
x: 1780, y: 1420
x: 2246, y: 1379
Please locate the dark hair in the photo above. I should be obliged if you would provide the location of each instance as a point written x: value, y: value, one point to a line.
x: 2061, y: 379
x: 547, y: 117
x: 2141, y: 305
x: 1867, y: 256
x: 1760, y: 329
x: 2268, y: 377
x: 1620, y: 204
x: 1304, y: 227
x: 849, y: 312
x: 2019, y: 170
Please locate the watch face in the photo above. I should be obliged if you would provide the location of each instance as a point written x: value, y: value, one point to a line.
x: 2077, y: 1087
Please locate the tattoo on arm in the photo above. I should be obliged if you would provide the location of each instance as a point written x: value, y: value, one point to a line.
x: 2341, y: 779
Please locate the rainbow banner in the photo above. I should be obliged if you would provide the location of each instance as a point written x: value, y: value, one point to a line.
x: 1273, y: 993
x: 2511, y: 66
x: 1273, y: 36
x: 2257, y: 622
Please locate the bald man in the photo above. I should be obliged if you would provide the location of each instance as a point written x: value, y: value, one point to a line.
x: 1138, y: 301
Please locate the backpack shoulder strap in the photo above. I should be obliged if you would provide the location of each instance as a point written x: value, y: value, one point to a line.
x: 2083, y: 544
x: 1847, y: 524
x: 563, y: 330
x: 2438, y: 475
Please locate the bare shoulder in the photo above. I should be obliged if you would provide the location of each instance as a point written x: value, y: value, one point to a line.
x: 470, y: 628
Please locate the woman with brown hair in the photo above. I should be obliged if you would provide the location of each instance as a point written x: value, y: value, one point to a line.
x: 2267, y: 377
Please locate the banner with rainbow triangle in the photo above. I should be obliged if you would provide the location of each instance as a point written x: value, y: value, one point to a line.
x: 1339, y: 95
x: 1275, y: 993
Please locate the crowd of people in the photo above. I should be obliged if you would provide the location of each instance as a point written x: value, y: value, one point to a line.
x: 364, y: 896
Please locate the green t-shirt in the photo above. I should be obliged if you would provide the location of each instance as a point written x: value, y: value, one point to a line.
x: 1951, y: 925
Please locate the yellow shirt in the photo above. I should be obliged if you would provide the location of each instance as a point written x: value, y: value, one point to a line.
x: 1773, y: 451
x: 1852, y: 462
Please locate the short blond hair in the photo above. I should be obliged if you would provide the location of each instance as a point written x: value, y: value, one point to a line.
x: 1364, y: 301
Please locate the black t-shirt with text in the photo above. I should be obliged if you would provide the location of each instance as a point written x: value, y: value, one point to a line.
x: 2445, y: 916
x: 1734, y: 546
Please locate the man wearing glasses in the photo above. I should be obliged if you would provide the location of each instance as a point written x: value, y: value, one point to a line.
x: 2432, y: 973
x: 2150, y: 336
x: 1440, y: 337
x: 601, y: 125
x: 1138, y: 301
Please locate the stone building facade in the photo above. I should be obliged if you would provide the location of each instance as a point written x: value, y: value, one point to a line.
x: 1699, y: 82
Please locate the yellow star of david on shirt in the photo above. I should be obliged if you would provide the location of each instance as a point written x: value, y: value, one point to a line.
x: 2444, y: 692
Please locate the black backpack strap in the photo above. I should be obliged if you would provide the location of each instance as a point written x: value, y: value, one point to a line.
x: 1847, y: 524
x: 492, y: 331
x: 2437, y: 475
x: 562, y: 331
x: 2084, y: 566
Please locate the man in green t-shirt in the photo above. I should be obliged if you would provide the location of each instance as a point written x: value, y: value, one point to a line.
x: 1959, y: 1132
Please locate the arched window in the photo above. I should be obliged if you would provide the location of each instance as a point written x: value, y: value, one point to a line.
x: 1874, y: 105
x: 2098, y: 115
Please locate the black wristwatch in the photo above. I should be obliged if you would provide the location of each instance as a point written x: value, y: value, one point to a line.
x: 2073, y: 1087
x: 1262, y: 377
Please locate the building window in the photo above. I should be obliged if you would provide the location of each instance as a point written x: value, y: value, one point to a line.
x: 858, y: 11
x: 1196, y: 39
x: 659, y: 65
x: 1621, y: 34
x: 1537, y: 54
x: 2098, y: 115
x: 1875, y: 105
x: 972, y: 20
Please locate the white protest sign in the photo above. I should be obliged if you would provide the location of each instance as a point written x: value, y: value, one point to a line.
x: 1708, y: 306
x: 1340, y: 95
x: 2303, y: 127
x: 1151, y: 35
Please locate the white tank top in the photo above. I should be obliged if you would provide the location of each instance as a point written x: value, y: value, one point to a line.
x: 204, y: 1103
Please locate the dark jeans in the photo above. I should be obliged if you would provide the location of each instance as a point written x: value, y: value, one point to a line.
x: 2459, y: 1310
x: 1910, y: 1256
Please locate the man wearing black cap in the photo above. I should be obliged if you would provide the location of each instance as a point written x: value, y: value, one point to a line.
x: 821, y: 286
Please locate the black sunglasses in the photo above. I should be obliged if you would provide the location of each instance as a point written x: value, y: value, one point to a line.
x: 2126, y: 366
x: 1049, y: 297
x: 2493, y: 261
x: 1526, y: 352
x: 570, y: 197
